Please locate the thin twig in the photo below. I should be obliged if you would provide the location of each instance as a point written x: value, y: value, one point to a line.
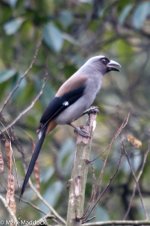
x: 134, y: 176
x: 120, y: 223
x: 25, y: 110
x: 136, y: 186
x: 15, y: 221
x: 43, y: 220
x: 117, y: 133
x: 92, y: 207
x: 15, y: 166
x: 10, y: 95
x: 30, y: 204
x: 47, y: 204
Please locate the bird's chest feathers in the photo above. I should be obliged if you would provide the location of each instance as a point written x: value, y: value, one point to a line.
x: 93, y: 85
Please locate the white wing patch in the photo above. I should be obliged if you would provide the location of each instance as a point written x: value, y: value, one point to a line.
x: 39, y: 135
x: 65, y: 103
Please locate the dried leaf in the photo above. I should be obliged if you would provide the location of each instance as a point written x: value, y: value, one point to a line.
x: 1, y: 163
x: 8, y: 150
x: 134, y: 141
x: 53, y: 37
x: 10, y: 193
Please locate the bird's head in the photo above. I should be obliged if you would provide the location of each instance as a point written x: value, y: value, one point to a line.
x: 103, y: 64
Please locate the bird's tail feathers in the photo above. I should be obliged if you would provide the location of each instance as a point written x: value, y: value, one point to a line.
x: 41, y: 136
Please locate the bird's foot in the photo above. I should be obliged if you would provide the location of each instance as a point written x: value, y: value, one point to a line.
x: 82, y: 132
x: 91, y: 110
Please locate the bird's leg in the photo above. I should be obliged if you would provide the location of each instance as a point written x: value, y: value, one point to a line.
x: 91, y: 110
x: 80, y: 130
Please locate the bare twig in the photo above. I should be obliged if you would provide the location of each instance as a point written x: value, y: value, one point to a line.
x: 43, y: 220
x: 95, y: 196
x: 25, y: 110
x: 136, y: 186
x: 10, y: 95
x: 108, y: 149
x: 57, y: 216
x: 118, y: 223
x: 30, y: 204
x: 92, y: 207
x: 117, y: 133
x: 14, y: 219
x: 134, y: 176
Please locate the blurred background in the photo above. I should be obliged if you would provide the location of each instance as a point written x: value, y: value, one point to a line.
x: 71, y: 31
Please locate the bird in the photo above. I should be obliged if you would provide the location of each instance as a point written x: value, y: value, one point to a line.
x: 71, y: 100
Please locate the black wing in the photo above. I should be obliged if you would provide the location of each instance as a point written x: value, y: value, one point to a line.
x: 59, y: 104
x: 56, y: 106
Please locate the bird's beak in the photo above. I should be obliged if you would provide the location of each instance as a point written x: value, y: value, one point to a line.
x: 113, y: 66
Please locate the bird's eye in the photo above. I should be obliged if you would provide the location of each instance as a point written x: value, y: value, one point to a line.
x: 105, y: 60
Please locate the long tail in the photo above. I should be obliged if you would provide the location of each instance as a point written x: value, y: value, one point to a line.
x: 33, y: 159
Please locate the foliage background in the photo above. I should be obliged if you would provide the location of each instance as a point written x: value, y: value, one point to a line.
x: 72, y: 31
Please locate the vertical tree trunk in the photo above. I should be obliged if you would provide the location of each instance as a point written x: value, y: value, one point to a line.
x: 79, y: 172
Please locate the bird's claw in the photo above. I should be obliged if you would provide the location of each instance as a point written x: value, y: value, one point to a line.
x: 91, y: 110
x: 82, y: 132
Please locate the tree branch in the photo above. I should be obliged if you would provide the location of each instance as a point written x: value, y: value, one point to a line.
x: 136, y: 185
x: 79, y: 173
x: 14, y: 219
x: 22, y: 77
x: 52, y: 210
x: 25, y: 110
x: 120, y: 223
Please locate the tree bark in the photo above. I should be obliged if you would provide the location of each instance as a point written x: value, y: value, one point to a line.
x: 80, y: 171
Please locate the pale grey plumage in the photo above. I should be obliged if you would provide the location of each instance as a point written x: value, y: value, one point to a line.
x: 93, y: 72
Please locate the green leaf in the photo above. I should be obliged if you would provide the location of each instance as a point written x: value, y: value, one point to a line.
x: 12, y: 2
x: 101, y: 214
x: 140, y: 14
x: 13, y: 26
x: 53, y: 37
x: 125, y: 13
x: 6, y: 75
x: 66, y: 18
x: 47, y: 94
